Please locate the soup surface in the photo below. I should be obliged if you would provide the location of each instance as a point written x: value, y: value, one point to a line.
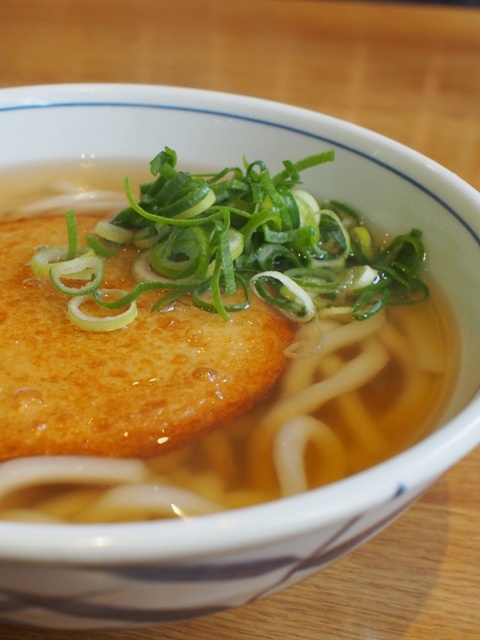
x: 353, y: 393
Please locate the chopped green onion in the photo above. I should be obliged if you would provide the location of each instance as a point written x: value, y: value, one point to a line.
x: 183, y: 254
x: 48, y: 257
x: 275, y: 257
x: 301, y: 165
x: 226, y: 262
x: 98, y: 247
x: 112, y: 232
x: 202, y: 205
x: 89, y: 268
x: 235, y: 244
x: 142, y: 270
x: 318, y: 280
x: 145, y: 237
x: 362, y: 236
x: 206, y: 235
x: 98, y: 323
x: 218, y: 305
x: 143, y: 287
x: 167, y: 300
x: 355, y: 278
x: 334, y: 245
x: 158, y: 217
x: 72, y: 234
x: 301, y: 308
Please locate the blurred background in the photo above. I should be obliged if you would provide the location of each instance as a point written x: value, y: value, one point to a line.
x: 408, y: 70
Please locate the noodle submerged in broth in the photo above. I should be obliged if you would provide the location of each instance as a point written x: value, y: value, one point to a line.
x: 352, y: 394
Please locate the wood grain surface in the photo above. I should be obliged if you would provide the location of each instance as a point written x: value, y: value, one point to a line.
x: 409, y: 71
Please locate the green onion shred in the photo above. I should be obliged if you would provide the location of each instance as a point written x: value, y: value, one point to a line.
x: 214, y: 236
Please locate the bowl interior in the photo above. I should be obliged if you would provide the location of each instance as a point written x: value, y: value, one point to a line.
x: 395, y: 188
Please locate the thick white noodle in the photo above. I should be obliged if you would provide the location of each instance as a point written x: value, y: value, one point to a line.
x: 301, y: 372
x: 414, y: 387
x: 308, y: 340
x: 147, y: 501
x: 423, y: 343
x: 368, y: 441
x: 357, y: 372
x: 83, y: 201
x: 25, y: 472
x: 289, y: 448
x: 352, y: 332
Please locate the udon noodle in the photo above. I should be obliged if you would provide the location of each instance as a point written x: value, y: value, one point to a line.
x: 353, y: 394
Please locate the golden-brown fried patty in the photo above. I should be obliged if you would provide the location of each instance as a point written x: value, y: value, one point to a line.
x: 136, y: 391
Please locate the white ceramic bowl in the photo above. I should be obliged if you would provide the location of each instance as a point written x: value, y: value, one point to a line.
x: 118, y: 575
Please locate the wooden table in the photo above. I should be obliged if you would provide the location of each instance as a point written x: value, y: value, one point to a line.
x: 410, y: 72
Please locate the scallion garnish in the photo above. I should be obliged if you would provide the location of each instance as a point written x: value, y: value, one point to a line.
x: 47, y: 257
x: 88, y: 268
x: 100, y: 248
x: 89, y: 322
x: 292, y: 299
x: 72, y: 234
x: 112, y: 232
x: 210, y: 235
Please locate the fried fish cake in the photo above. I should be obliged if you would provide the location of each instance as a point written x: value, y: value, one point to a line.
x: 154, y: 385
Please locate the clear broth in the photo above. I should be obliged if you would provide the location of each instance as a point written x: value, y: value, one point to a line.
x: 232, y: 466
